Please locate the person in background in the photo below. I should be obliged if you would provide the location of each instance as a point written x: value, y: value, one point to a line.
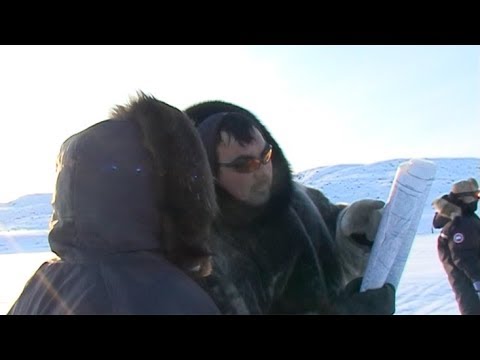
x: 458, y: 244
x: 280, y: 247
x: 132, y: 209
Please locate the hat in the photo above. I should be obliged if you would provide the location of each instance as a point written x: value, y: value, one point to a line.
x: 466, y: 189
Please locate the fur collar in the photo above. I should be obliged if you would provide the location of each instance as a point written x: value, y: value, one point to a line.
x: 445, y: 208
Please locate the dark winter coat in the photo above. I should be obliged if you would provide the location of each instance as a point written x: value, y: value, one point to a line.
x: 284, y: 257
x: 459, y: 251
x: 111, y: 226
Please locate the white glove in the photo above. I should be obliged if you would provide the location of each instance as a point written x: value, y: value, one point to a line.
x: 362, y: 217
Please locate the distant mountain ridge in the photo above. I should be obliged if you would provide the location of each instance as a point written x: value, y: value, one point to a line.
x: 347, y: 183
x: 28, y: 212
x: 340, y: 183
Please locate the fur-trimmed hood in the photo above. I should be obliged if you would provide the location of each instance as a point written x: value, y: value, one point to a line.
x: 446, y: 208
x: 282, y: 185
x: 139, y: 181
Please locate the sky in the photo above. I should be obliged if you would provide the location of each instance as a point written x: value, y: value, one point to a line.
x: 324, y: 105
x: 423, y: 287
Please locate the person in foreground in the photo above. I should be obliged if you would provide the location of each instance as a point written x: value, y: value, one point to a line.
x: 458, y: 244
x: 132, y: 209
x: 280, y: 247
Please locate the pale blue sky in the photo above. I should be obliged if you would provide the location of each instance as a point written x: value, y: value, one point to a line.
x: 325, y: 105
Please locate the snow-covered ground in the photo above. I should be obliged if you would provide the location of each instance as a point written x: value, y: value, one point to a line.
x: 423, y: 289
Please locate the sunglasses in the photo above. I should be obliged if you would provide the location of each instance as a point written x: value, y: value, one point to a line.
x: 248, y: 164
x: 475, y: 194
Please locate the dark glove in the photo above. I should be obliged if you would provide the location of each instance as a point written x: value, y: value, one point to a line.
x: 371, y: 302
x: 476, y: 286
x: 361, y: 219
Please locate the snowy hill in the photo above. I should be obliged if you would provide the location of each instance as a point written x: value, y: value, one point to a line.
x: 29, y: 212
x: 24, y: 224
x: 347, y: 183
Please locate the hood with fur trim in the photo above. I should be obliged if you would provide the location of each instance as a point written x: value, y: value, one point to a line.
x: 139, y: 181
x: 446, y: 208
x: 282, y: 185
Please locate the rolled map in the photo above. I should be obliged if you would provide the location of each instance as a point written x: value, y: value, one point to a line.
x: 399, y: 223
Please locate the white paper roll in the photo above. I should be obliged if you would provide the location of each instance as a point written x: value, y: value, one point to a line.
x: 399, y: 223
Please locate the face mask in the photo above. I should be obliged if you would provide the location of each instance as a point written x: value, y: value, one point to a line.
x: 471, y: 207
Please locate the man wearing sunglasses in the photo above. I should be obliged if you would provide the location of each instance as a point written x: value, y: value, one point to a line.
x: 280, y: 247
x: 459, y: 243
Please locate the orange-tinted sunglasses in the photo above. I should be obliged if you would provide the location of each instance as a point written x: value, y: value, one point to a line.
x: 248, y: 164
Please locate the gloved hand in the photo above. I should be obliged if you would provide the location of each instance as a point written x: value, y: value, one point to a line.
x: 370, y: 302
x: 360, y: 220
x: 476, y: 286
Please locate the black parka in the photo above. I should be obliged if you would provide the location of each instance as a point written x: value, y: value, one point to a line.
x: 458, y: 248
x: 108, y: 230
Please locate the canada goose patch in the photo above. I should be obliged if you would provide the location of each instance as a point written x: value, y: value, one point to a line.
x: 458, y: 238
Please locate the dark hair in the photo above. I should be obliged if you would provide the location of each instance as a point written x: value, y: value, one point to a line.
x: 237, y: 126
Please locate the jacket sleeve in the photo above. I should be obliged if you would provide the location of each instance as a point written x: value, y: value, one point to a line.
x: 225, y: 294
x: 305, y: 292
x: 349, y: 257
x: 328, y: 210
x: 464, y: 248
